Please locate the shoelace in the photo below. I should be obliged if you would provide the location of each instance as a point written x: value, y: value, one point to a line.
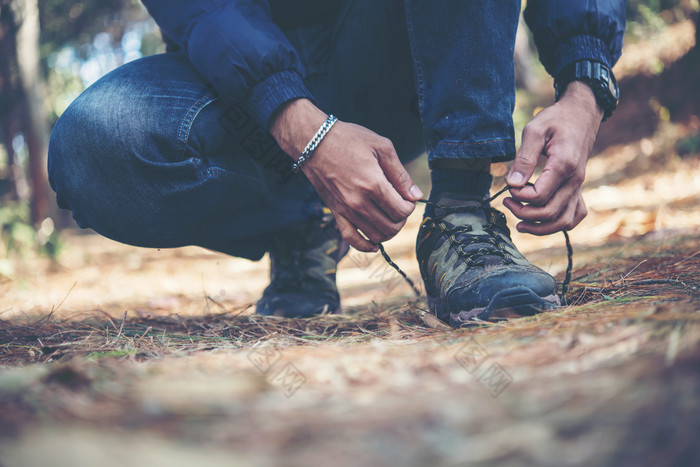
x: 484, y: 204
x: 459, y: 235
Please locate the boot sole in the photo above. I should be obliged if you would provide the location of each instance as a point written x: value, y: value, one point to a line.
x: 296, y: 306
x: 514, y: 302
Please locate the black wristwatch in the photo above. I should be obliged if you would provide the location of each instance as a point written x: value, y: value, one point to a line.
x: 598, y: 76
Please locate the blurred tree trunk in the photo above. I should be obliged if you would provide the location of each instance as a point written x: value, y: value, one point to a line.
x: 697, y: 31
x: 8, y: 88
x: 22, y: 91
x: 525, y: 61
x: 33, y: 115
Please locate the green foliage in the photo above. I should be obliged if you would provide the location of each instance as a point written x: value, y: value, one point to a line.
x: 19, y: 238
x: 68, y: 33
x: 648, y: 17
x: 65, y: 22
x: 689, y: 146
x: 637, y: 10
x: 111, y: 353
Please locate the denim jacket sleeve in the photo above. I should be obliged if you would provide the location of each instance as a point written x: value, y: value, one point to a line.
x: 569, y: 30
x: 237, y: 48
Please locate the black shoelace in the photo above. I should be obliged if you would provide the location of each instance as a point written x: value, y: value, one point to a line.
x: 483, y: 205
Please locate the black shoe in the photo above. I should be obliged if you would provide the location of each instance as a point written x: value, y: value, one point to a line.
x: 472, y: 270
x: 303, y: 264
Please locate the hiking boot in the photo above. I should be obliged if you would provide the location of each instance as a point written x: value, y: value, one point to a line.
x: 472, y: 270
x: 303, y: 263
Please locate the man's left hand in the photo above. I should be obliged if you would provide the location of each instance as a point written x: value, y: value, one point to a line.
x: 564, y: 133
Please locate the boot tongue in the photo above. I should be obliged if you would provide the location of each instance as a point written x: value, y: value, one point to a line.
x: 461, y: 200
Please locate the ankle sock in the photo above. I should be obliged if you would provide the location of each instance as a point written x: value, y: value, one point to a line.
x: 467, y: 182
x: 464, y: 182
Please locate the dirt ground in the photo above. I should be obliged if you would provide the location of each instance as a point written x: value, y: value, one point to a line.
x: 118, y: 355
x: 121, y: 355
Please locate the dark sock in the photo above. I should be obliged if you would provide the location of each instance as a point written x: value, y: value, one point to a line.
x: 464, y: 182
x: 474, y: 183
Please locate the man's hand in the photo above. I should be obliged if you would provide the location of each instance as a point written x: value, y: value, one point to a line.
x: 564, y: 133
x: 356, y: 172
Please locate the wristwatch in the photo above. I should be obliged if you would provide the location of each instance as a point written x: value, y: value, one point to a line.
x: 598, y: 76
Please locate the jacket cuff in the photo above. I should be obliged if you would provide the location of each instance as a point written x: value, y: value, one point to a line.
x: 575, y: 48
x: 268, y: 95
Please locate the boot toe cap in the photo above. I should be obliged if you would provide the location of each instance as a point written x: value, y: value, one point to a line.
x: 525, y: 291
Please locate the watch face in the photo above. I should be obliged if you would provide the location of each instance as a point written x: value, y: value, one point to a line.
x: 607, y: 78
x: 612, y: 86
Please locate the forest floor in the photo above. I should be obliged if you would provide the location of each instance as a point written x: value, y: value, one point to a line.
x: 116, y: 355
x: 130, y: 356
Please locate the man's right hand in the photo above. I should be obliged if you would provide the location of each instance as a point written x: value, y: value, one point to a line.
x: 355, y: 171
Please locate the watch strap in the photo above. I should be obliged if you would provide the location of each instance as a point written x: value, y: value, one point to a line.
x: 598, y: 76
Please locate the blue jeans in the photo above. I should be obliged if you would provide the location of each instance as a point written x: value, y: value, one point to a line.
x: 150, y: 156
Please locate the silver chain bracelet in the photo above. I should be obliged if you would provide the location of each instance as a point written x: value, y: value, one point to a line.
x: 315, y: 141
